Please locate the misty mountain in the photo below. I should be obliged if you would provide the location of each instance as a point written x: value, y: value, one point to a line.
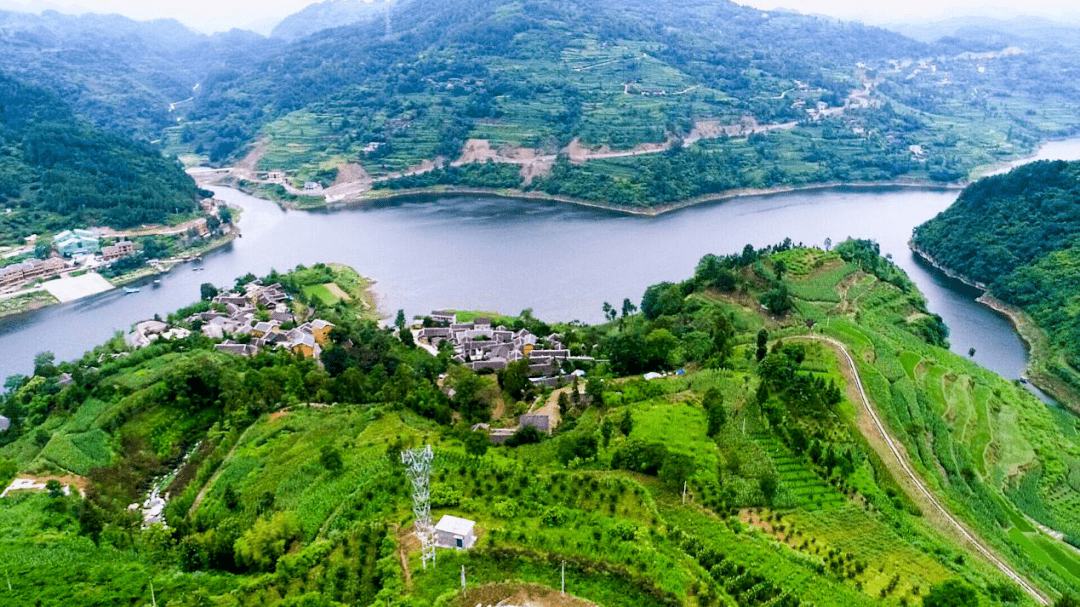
x: 325, y: 15
x: 480, y: 51
x: 121, y: 73
x: 56, y: 170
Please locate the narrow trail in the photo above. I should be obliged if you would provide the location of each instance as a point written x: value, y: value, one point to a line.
x: 221, y: 467
x: 901, y: 459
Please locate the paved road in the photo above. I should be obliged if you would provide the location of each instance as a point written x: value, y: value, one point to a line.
x: 901, y: 458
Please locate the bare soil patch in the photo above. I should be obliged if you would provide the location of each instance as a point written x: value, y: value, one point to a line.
x: 337, y: 291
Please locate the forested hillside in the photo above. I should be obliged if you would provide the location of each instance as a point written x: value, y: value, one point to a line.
x: 1018, y: 233
x: 58, y: 172
x: 122, y: 74
x: 582, y: 99
x: 747, y: 476
x: 570, y: 99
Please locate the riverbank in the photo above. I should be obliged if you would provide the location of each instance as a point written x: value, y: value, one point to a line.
x: 39, y: 297
x: 391, y: 196
x: 1040, y: 352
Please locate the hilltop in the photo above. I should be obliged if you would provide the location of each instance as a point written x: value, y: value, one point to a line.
x: 284, y: 482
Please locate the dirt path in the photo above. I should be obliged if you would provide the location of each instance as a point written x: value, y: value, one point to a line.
x: 198, y: 222
x: 895, y: 456
x: 221, y: 468
x: 551, y: 407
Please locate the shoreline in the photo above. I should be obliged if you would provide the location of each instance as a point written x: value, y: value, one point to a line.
x: 1027, y: 329
x: 391, y: 196
x: 135, y: 275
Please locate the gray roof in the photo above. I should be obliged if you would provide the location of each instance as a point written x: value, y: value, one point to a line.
x: 455, y: 525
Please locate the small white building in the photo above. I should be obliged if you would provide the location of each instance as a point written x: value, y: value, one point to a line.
x: 454, y: 532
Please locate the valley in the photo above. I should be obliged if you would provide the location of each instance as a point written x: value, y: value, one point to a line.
x: 861, y: 391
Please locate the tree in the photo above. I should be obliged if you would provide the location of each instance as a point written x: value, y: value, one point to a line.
x: 477, y: 443
x: 715, y: 414
x: 564, y: 403
x: 330, y: 458
x: 207, y: 291
x: 54, y: 488
x: 230, y: 498
x: 626, y: 423
x: 762, y: 344
x: 663, y: 299
x: 594, y: 389
x: 399, y: 322
x: 514, y: 379
x: 677, y: 468
x: 768, y: 486
x: 609, y: 312
x: 44, y: 364
x: 260, y: 547
x: 606, y: 430
x: 628, y: 308
x: 1068, y: 600
x: 471, y: 395
x: 951, y: 593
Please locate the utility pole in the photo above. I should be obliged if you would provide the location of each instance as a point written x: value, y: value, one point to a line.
x: 153, y: 598
x: 564, y: 578
x: 463, y: 577
x: 684, y: 492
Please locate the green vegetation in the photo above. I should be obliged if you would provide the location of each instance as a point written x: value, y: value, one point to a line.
x: 57, y: 172
x: 1016, y: 233
x: 746, y: 480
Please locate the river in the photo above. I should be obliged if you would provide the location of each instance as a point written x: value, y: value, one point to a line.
x: 503, y: 255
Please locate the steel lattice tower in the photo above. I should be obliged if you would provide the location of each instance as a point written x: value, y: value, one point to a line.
x: 418, y: 468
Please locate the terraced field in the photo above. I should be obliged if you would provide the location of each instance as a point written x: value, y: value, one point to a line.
x: 970, y: 433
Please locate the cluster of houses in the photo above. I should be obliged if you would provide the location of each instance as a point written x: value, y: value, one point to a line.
x: 75, y: 243
x: 29, y: 270
x: 478, y: 345
x: 262, y: 312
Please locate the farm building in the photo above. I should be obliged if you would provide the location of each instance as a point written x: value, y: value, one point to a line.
x: 455, y: 532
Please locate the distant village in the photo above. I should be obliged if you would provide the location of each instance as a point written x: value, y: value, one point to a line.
x: 478, y: 345
x: 88, y: 249
x: 247, y: 322
x: 72, y: 249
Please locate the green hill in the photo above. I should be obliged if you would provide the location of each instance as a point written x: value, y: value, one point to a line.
x: 1016, y: 233
x: 751, y: 479
x: 765, y: 99
x: 58, y: 172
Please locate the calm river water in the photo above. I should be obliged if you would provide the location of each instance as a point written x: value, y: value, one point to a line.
x: 506, y: 255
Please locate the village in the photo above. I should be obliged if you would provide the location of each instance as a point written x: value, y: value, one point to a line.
x: 486, y: 348
x: 75, y: 255
x: 246, y: 322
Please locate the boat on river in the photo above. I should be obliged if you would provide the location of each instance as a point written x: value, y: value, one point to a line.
x: 130, y: 290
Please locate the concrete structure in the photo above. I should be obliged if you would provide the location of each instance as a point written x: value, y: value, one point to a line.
x: 30, y: 269
x: 455, y: 532
x: 118, y: 250
x: 76, y: 242
x: 540, y: 422
x: 5, y: 423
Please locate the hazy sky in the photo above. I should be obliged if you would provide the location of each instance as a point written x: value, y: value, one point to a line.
x: 220, y: 15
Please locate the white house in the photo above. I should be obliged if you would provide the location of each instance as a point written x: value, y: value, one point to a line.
x: 454, y: 532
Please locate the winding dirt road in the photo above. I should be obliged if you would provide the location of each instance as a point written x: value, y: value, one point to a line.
x: 927, y: 496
